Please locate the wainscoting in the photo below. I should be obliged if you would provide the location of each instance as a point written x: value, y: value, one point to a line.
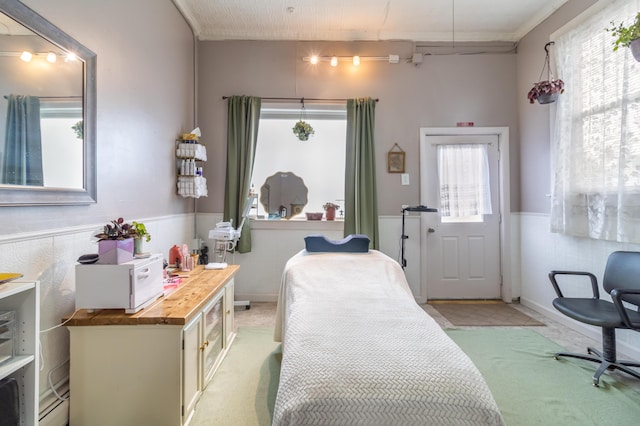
x: 543, y: 251
x: 50, y: 258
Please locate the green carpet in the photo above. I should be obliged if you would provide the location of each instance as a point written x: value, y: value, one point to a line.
x: 529, y: 385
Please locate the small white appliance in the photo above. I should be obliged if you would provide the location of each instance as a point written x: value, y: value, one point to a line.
x: 224, y: 231
x: 130, y: 286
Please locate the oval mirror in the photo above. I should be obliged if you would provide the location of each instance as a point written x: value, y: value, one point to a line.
x: 284, y: 194
x: 47, y: 112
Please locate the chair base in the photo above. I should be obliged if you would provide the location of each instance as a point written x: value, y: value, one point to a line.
x: 595, y: 355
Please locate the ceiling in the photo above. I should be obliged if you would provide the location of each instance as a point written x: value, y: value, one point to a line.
x: 373, y: 20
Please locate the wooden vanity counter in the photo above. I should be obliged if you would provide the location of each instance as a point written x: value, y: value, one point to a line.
x: 177, y: 308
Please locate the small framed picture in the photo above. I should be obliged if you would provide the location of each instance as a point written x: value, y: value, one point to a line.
x: 395, y: 162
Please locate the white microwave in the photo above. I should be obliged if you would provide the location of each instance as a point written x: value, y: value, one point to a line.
x: 130, y: 286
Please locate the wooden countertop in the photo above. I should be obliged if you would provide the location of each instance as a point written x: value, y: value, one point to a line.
x: 177, y: 308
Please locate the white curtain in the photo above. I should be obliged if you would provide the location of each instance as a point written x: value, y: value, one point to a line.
x: 463, y: 172
x: 596, y: 140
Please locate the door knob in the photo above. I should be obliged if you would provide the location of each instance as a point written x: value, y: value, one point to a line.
x: 431, y: 230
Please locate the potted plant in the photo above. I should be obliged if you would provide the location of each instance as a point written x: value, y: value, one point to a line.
x: 627, y: 36
x: 302, y: 130
x: 330, y: 210
x: 546, y: 91
x: 140, y: 234
x: 115, y: 242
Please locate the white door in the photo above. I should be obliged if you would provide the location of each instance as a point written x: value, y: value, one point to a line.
x: 461, y: 254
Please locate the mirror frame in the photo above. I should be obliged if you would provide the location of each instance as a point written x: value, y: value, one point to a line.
x: 11, y: 195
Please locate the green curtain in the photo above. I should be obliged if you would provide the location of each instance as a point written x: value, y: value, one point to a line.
x: 23, y: 144
x: 242, y: 135
x: 361, y: 199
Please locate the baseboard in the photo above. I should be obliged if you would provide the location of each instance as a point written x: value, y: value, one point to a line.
x: 56, y: 414
x: 257, y: 297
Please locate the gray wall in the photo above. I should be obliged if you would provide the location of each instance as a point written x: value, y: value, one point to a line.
x: 534, y: 120
x: 441, y: 91
x: 145, y: 100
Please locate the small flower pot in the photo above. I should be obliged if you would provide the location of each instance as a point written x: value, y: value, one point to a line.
x: 115, y: 252
x: 548, y: 98
x: 330, y: 213
x: 635, y: 49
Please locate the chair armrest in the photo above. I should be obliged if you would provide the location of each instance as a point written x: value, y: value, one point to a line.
x: 592, y: 278
x: 617, y: 295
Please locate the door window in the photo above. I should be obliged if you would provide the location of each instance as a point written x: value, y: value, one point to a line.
x: 464, y: 189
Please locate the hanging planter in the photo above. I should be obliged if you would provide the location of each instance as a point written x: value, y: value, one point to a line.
x: 627, y: 36
x: 547, y: 91
x: 302, y: 129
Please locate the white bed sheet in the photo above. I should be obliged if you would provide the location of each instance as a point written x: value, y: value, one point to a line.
x: 358, y: 350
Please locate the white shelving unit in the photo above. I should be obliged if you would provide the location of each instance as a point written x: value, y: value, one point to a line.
x: 24, y: 299
x: 191, y: 155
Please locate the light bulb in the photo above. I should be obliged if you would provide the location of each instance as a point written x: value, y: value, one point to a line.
x: 314, y: 59
x: 26, y: 56
x: 356, y: 61
x: 70, y: 57
x: 334, y: 61
x: 51, y: 57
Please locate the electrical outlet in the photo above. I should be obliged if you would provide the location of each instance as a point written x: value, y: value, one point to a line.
x: 405, y: 178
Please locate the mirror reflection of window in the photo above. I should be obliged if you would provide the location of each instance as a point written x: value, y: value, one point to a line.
x: 62, y: 142
x: 319, y: 161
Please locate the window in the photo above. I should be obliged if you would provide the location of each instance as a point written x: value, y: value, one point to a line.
x: 596, y: 141
x: 62, y: 144
x: 463, y: 174
x: 319, y: 161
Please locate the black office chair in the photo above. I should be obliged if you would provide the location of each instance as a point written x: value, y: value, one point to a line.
x: 622, y: 281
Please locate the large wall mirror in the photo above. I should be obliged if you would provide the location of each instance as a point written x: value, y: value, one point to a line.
x: 47, y: 112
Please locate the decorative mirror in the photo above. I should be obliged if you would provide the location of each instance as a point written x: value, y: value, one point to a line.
x: 47, y: 112
x: 284, y: 194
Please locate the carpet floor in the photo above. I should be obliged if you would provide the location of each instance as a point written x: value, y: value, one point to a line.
x: 483, y: 314
x: 529, y: 385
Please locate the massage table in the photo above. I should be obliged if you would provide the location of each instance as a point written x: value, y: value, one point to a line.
x: 358, y: 350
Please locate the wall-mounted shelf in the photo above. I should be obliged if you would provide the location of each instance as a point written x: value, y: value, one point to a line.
x: 190, y: 155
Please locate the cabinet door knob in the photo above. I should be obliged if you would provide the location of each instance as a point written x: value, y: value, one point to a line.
x: 228, y: 311
x: 204, y: 345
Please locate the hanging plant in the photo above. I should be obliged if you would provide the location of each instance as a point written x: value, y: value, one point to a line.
x: 627, y: 36
x: 547, y: 91
x: 302, y: 129
x: 78, y: 128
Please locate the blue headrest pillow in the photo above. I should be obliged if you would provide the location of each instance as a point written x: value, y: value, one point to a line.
x: 354, y: 243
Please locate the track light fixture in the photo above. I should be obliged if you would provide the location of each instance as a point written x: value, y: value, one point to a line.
x: 355, y: 60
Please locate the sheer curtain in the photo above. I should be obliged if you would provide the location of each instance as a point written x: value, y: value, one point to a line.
x: 23, y: 142
x: 463, y: 173
x: 242, y: 134
x: 596, y: 140
x: 361, y: 200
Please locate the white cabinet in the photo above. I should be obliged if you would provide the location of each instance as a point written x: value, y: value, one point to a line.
x: 203, y: 350
x: 151, y: 367
x: 23, y: 298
